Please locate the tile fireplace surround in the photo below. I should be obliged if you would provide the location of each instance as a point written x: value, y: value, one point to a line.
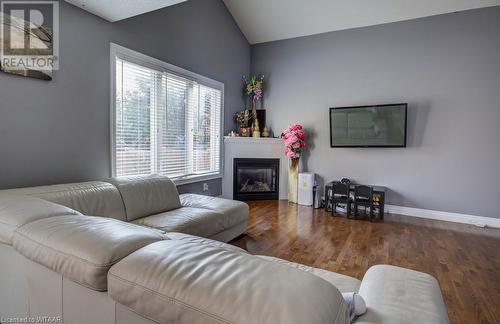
x: 250, y: 147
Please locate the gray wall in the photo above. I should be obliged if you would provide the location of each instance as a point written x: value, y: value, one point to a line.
x: 58, y: 131
x: 446, y: 67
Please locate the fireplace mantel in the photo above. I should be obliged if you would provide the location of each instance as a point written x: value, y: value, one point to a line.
x: 252, y: 147
x: 252, y: 140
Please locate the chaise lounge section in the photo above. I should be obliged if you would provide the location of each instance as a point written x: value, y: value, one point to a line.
x: 59, y: 261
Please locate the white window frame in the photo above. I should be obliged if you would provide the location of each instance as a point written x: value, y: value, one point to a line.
x: 117, y: 51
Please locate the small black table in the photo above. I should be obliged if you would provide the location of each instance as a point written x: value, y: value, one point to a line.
x: 378, y: 191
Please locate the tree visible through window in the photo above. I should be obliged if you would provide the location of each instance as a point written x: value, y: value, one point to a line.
x: 165, y: 123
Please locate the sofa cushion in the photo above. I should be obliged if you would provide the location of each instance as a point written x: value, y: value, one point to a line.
x: 235, y: 212
x: 179, y: 282
x: 342, y: 282
x: 203, y: 241
x: 94, y: 198
x: 147, y: 195
x: 396, y: 295
x: 81, y: 248
x: 230, y: 234
x: 196, y: 221
x: 17, y: 210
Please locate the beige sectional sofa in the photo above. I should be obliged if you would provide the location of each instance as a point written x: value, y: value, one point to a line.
x: 150, y: 201
x: 110, y: 252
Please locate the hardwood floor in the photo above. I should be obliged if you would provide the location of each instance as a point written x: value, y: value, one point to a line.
x: 465, y: 259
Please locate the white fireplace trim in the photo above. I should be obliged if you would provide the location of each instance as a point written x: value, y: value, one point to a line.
x: 249, y: 147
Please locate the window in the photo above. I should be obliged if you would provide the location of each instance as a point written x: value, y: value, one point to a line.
x: 166, y: 120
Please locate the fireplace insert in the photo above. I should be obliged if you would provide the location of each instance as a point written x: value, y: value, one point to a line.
x: 256, y: 179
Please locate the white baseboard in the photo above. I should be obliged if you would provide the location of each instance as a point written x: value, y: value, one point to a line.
x: 480, y: 221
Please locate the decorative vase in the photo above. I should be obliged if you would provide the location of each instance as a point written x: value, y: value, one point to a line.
x: 293, y: 180
x: 256, y: 131
x: 265, y: 132
x: 245, y: 131
x: 256, y: 128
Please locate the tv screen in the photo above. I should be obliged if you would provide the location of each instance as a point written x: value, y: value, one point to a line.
x: 368, y: 126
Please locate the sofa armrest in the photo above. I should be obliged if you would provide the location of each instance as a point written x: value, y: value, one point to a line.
x: 395, y: 295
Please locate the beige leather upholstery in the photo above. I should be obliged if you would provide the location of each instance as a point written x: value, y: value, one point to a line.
x: 202, y: 241
x: 395, y: 295
x: 146, y: 195
x: 17, y: 210
x: 235, y: 212
x: 174, y: 277
x: 342, y: 282
x: 89, y: 198
x: 151, y: 200
x: 81, y: 248
x: 195, y: 221
x: 202, y: 216
x: 231, y: 233
x: 174, y: 281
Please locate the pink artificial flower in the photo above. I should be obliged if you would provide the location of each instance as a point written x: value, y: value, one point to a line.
x: 291, y: 140
x: 257, y: 93
x: 295, y: 127
x: 294, y: 138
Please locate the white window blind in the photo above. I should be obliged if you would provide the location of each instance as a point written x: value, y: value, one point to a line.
x: 165, y: 123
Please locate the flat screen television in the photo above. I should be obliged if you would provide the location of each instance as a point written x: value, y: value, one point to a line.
x: 368, y: 126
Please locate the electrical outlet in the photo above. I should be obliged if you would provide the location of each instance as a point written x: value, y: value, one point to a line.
x: 205, y: 186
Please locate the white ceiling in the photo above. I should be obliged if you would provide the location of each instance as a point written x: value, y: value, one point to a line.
x: 114, y: 10
x: 269, y: 20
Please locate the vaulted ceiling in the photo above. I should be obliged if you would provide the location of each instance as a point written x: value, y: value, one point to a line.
x: 269, y: 20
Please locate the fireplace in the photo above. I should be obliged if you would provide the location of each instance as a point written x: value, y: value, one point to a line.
x: 256, y: 179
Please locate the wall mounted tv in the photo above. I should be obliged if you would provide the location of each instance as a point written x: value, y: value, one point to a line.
x: 368, y: 126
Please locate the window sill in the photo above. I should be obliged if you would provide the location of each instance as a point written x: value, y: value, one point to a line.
x: 195, y: 179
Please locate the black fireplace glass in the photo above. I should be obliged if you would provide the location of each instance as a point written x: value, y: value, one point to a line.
x: 256, y: 179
